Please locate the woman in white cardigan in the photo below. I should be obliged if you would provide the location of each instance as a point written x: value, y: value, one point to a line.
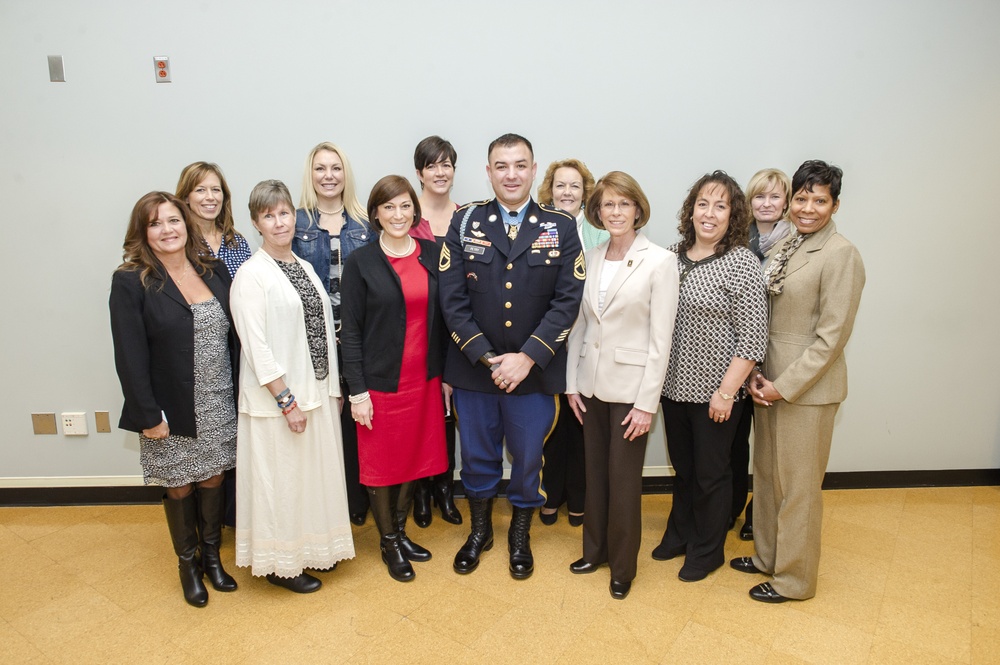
x: 291, y: 511
x: 618, y: 354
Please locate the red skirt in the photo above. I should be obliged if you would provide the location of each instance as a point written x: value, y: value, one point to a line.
x: 406, y: 441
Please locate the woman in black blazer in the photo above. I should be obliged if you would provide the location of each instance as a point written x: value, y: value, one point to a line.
x: 393, y: 345
x: 176, y: 353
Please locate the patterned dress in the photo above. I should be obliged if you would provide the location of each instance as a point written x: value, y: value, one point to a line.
x: 180, y: 460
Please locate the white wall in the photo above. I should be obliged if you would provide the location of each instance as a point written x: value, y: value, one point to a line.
x: 902, y: 95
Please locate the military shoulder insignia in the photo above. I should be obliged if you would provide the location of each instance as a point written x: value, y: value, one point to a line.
x: 560, y: 211
x: 579, y: 267
x: 445, y: 261
x: 475, y: 203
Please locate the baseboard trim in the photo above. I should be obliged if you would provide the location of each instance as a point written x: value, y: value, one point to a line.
x: 31, y: 495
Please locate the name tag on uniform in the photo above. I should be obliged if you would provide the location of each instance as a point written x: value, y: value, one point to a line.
x: 474, y: 249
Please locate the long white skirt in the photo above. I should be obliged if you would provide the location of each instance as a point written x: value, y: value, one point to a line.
x: 291, y: 500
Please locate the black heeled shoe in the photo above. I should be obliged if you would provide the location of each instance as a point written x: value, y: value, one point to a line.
x: 746, y: 533
x: 575, y: 520
x: 358, y: 519
x: 443, y: 496
x: 548, y: 519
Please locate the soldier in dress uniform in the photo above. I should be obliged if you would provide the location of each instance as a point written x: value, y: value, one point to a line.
x: 511, y: 281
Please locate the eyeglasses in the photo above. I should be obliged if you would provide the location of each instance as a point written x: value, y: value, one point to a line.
x: 625, y: 206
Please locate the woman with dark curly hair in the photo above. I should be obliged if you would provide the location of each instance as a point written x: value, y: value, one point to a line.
x: 719, y: 334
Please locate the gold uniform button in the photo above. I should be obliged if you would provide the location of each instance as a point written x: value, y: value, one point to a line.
x: 472, y: 257
x: 509, y: 285
x: 508, y: 324
x: 507, y: 305
x: 510, y: 266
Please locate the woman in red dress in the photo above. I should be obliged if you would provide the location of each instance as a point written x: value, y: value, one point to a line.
x: 393, y: 345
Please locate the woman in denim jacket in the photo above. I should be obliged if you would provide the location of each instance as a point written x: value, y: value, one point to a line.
x: 330, y: 224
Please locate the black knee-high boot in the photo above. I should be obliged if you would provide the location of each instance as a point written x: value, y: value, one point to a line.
x: 211, y: 508
x: 422, y: 502
x: 411, y: 550
x: 383, y: 504
x: 182, y: 520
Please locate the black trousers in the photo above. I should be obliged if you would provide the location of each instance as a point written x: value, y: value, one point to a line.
x: 612, y: 524
x: 699, y: 450
x: 564, y: 474
x: 740, y: 462
x: 357, y: 495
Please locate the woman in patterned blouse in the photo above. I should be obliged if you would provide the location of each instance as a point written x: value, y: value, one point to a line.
x: 720, y: 333
x: 203, y: 188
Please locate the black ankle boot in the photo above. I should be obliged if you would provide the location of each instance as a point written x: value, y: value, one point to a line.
x: 522, y: 564
x: 211, y: 506
x: 479, y: 540
x: 410, y: 549
x: 443, y: 491
x: 182, y: 520
x: 394, y: 559
x: 422, y: 503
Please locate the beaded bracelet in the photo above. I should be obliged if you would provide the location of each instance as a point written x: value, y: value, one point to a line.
x: 360, y: 398
x: 289, y: 408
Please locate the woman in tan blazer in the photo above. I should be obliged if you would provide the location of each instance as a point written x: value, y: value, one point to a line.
x: 814, y: 281
x: 618, y: 353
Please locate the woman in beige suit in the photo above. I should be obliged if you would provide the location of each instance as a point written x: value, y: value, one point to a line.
x: 618, y: 353
x: 814, y: 282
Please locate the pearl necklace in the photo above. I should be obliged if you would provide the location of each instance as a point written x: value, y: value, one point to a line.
x: 335, y: 212
x: 405, y: 252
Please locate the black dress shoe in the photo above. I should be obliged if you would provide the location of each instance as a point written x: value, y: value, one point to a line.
x: 663, y: 553
x: 303, y: 583
x: 744, y: 564
x: 746, y: 533
x: 548, y: 519
x: 582, y: 567
x: 358, y: 519
x: 690, y: 574
x: 575, y: 520
x: 620, y: 589
x: 765, y: 593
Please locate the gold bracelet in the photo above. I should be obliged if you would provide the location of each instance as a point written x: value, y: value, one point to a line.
x: 725, y: 396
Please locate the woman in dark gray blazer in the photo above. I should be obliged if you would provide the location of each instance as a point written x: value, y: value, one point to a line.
x: 176, y: 354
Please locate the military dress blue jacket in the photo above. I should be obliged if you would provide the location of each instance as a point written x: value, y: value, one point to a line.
x: 509, y: 296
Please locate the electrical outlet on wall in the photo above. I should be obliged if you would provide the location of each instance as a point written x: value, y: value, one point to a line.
x: 74, y: 423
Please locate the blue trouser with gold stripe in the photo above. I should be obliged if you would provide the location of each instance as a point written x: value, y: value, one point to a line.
x: 485, y: 420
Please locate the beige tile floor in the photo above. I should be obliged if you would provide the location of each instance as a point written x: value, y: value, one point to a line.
x: 907, y: 576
